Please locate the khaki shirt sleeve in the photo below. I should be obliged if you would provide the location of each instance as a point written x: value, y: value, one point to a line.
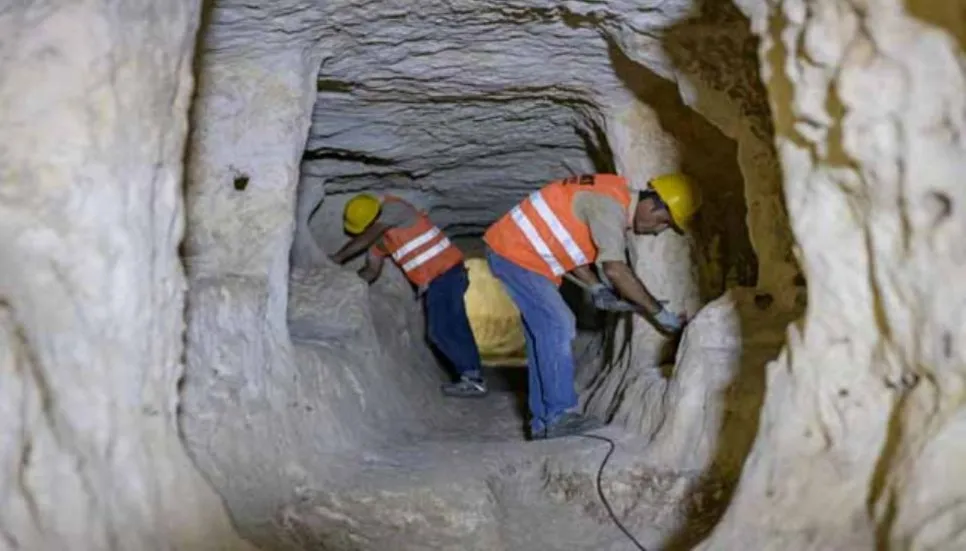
x: 607, y: 220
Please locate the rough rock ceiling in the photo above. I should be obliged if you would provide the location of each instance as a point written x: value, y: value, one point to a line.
x: 492, y: 97
x: 472, y: 153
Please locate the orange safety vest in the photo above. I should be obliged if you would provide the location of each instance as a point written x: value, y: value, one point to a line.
x: 543, y: 235
x: 421, y: 250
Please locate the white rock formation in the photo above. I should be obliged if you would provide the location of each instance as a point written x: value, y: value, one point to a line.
x: 707, y: 415
x: 861, y: 430
x: 273, y: 390
x: 93, y: 106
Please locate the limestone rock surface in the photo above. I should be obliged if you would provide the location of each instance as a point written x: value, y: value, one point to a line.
x: 93, y: 106
x: 857, y: 445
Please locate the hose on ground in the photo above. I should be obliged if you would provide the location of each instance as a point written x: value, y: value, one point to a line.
x: 600, y: 489
x: 611, y: 356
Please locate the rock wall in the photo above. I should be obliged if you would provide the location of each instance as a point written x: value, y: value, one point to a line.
x: 242, y: 385
x: 707, y: 414
x: 291, y: 360
x: 708, y: 53
x: 861, y: 430
x: 93, y: 104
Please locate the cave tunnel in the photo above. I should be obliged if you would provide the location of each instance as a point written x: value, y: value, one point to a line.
x: 185, y: 368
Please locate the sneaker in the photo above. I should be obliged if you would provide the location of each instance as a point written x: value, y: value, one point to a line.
x: 572, y: 424
x: 465, y: 388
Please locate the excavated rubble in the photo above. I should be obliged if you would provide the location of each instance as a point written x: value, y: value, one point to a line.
x: 185, y: 368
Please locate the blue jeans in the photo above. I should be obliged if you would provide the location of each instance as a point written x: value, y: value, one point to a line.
x: 447, y: 325
x: 549, y: 328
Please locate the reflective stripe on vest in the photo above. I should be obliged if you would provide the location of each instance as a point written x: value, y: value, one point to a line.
x: 558, y: 230
x: 420, y: 249
x: 415, y: 243
x: 543, y: 234
x: 426, y: 255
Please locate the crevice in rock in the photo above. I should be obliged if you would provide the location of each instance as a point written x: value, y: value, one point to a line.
x: 323, y: 153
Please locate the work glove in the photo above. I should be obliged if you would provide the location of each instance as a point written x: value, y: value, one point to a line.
x: 668, y: 321
x: 605, y: 299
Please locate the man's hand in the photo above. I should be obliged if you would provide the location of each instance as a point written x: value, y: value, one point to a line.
x: 665, y: 321
x: 371, y: 269
x: 367, y: 274
x: 605, y: 299
x: 630, y: 287
x: 669, y: 322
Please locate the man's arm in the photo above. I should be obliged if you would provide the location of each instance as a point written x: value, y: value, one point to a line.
x: 370, y: 272
x: 586, y: 275
x: 630, y: 287
x: 359, y: 243
x: 607, y: 221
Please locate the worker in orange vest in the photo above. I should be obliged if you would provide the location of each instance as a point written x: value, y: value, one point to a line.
x: 561, y: 229
x: 395, y: 228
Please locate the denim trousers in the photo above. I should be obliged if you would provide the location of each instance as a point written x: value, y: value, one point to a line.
x: 447, y: 326
x: 549, y: 329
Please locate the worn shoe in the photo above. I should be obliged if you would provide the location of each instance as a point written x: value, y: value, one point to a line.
x: 572, y: 424
x: 536, y: 434
x: 466, y: 387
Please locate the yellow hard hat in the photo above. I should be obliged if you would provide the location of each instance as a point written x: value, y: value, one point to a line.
x: 360, y: 212
x: 680, y: 195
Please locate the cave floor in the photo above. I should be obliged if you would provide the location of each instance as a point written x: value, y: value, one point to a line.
x: 475, y: 483
x: 479, y: 434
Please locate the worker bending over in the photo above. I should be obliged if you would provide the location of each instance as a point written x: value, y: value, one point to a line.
x: 435, y: 266
x: 562, y: 228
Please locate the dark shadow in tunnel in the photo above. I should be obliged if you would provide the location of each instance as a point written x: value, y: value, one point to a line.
x: 598, y: 148
x: 711, y: 158
x: 509, y: 379
x: 204, y: 20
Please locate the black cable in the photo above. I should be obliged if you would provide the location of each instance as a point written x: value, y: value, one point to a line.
x: 600, y: 488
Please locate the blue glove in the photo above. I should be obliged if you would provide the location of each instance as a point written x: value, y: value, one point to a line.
x: 605, y: 299
x: 668, y: 321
